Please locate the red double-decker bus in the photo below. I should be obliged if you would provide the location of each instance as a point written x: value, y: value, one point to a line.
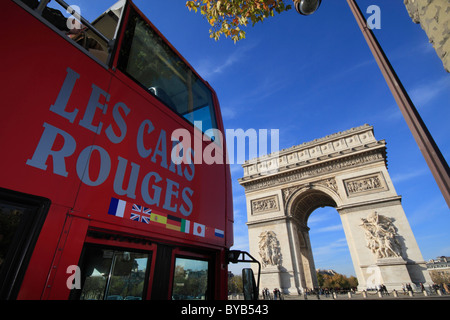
x: 93, y: 201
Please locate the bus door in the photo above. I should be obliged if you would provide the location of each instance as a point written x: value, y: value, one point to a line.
x: 193, y: 276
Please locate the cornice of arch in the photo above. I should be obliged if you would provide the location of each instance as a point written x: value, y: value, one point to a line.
x: 320, y: 168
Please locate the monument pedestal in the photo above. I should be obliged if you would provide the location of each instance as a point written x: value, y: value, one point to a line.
x: 270, y: 278
x: 277, y: 277
x: 391, y: 272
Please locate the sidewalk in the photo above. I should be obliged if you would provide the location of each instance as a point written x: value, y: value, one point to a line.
x: 371, y: 296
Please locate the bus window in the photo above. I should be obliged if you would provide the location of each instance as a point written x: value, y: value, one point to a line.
x: 10, y: 217
x: 149, y: 60
x: 21, y: 219
x: 190, y: 280
x: 52, y: 15
x: 114, y: 274
x: 95, y: 37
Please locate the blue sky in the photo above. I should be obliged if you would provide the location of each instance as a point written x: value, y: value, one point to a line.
x: 313, y: 76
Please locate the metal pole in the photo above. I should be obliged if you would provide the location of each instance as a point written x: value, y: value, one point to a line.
x: 430, y: 151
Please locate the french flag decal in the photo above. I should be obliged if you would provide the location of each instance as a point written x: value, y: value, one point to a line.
x: 117, y: 207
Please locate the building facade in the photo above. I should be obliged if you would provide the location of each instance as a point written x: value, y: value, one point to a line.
x: 434, y: 18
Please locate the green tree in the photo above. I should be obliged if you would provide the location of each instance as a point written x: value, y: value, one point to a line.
x: 320, y: 279
x: 353, y: 281
x: 235, y: 284
x: 439, y: 277
x: 228, y: 16
x: 336, y: 281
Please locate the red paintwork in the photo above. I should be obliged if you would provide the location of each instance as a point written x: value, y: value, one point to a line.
x: 35, y: 61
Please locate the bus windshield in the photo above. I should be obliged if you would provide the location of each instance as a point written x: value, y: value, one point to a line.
x: 146, y: 58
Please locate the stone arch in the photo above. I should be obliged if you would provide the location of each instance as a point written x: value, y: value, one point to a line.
x: 346, y: 171
x: 308, y: 199
x: 299, y: 207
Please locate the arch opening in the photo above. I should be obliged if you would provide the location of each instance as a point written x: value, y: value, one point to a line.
x: 329, y: 245
x: 327, y: 234
x: 306, y: 202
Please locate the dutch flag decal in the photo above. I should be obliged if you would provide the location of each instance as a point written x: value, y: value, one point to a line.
x: 219, y: 233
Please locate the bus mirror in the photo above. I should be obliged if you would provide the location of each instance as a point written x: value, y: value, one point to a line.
x: 233, y: 256
x: 249, y: 285
x: 251, y: 288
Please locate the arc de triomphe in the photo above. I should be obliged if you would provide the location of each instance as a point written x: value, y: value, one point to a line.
x: 347, y: 171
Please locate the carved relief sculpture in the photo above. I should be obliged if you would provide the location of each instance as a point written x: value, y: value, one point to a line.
x: 268, y: 204
x: 381, y: 236
x: 329, y: 183
x: 373, y: 183
x: 269, y: 249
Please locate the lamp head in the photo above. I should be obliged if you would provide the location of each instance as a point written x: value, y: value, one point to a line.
x: 307, y: 7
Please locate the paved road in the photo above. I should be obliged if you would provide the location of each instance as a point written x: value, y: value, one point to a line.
x: 372, y: 296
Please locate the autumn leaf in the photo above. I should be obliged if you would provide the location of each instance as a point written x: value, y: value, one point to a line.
x: 227, y: 17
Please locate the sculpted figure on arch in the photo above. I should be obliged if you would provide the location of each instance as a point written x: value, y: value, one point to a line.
x: 381, y: 236
x: 269, y: 249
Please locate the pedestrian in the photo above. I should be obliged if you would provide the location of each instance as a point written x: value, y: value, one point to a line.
x: 446, y: 287
x: 436, y: 288
x: 441, y: 286
x: 409, y: 288
x: 384, y: 289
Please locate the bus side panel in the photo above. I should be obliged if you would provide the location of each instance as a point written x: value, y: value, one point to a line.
x: 229, y: 235
x: 221, y: 276
x: 44, y: 126
x: 40, y: 264
x: 141, y: 172
x: 70, y: 246
x: 229, y: 209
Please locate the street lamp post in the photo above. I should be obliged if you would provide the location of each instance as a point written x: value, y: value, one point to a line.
x: 430, y: 151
